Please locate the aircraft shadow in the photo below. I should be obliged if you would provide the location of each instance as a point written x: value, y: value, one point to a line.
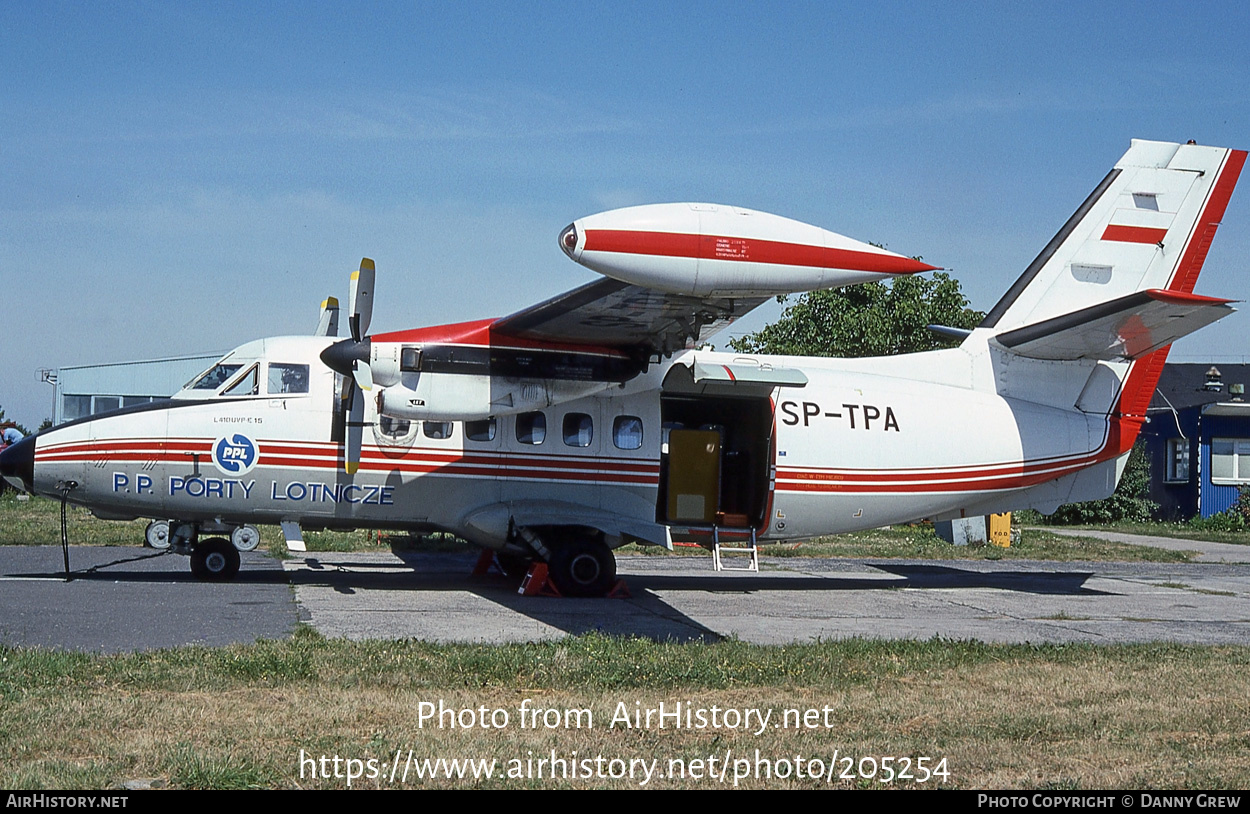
x: 104, y: 564
x: 644, y: 614
x: 1069, y: 583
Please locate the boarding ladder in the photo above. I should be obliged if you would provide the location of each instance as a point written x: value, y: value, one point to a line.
x: 719, y: 562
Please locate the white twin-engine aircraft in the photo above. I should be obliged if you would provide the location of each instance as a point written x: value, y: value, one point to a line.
x: 595, y: 419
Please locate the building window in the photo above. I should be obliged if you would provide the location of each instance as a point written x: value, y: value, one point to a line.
x: 578, y: 430
x: 104, y: 404
x: 627, y: 432
x: 1178, y: 460
x: 1230, y: 460
x: 531, y: 428
x: 75, y: 407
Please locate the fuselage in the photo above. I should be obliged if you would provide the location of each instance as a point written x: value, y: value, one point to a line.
x: 855, y: 447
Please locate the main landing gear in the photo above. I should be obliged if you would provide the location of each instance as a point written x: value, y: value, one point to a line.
x: 583, y: 567
x: 575, y: 564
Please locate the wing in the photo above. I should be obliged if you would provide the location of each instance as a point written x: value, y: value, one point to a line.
x: 679, y: 273
x: 673, y: 276
x: 610, y: 313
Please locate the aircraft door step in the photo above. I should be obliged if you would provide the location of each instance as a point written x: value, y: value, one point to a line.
x: 741, y: 557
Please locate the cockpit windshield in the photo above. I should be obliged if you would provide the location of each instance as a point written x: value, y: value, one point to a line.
x: 214, y: 377
x: 276, y: 366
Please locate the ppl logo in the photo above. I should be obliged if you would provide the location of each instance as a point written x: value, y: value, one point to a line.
x: 235, y: 455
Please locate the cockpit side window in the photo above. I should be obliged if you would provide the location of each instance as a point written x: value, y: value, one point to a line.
x: 286, y: 378
x: 215, y: 377
x: 247, y: 384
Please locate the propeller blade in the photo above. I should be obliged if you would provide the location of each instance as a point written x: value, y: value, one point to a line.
x: 350, y: 359
x: 363, y: 374
x: 362, y: 298
x: 328, y: 324
x: 355, y: 430
x: 338, y: 428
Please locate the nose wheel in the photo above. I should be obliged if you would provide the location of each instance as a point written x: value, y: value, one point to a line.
x: 214, y: 559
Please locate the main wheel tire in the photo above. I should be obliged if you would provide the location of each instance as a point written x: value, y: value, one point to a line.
x: 215, y: 560
x: 156, y: 535
x: 583, y: 567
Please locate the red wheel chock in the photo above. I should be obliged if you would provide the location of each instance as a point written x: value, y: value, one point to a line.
x: 484, y: 561
x: 537, y: 583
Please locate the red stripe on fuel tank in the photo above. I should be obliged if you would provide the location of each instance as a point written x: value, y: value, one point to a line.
x: 748, y: 250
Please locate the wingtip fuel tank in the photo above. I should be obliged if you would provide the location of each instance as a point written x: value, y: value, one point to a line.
x: 714, y: 250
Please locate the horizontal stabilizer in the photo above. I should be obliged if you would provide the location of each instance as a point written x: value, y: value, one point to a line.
x: 1128, y: 327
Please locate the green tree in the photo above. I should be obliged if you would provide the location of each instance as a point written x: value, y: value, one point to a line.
x: 872, y: 319
x: 1131, y: 500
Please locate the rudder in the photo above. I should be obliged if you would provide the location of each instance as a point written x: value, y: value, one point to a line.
x: 1148, y: 225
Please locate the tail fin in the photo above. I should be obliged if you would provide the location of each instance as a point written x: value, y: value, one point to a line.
x: 1089, y: 324
x: 1116, y: 283
x: 1148, y: 225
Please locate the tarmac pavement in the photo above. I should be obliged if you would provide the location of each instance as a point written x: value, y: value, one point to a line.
x: 124, y: 599
x: 432, y: 597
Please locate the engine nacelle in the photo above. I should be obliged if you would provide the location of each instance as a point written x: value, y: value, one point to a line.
x: 459, y: 397
x: 709, y: 250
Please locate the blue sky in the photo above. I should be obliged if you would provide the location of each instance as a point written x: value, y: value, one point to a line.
x: 183, y: 177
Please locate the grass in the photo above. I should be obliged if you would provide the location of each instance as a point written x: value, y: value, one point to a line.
x: 920, y: 542
x: 1002, y: 716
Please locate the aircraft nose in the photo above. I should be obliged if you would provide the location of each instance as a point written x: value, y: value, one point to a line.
x: 17, y: 464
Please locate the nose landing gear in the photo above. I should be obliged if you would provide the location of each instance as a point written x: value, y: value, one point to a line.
x: 214, y: 559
